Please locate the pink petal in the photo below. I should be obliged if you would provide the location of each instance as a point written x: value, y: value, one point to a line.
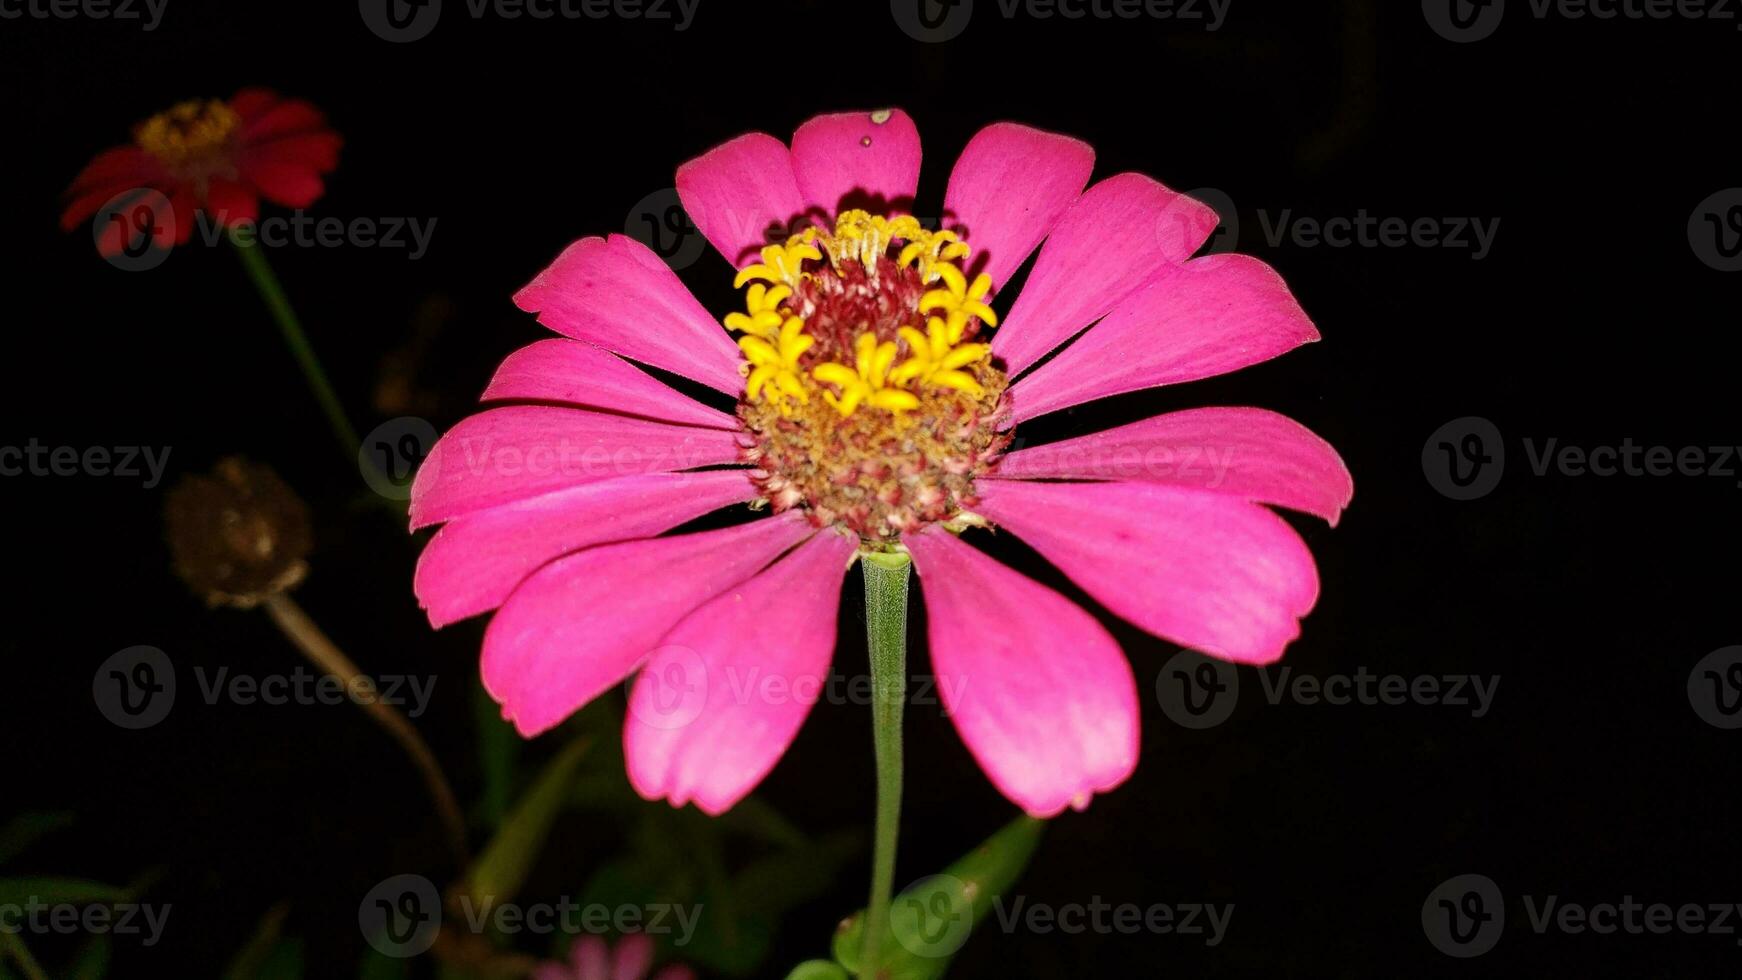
x: 632, y: 958
x: 591, y: 957
x: 251, y: 102
x: 1009, y: 187
x: 318, y: 150
x: 575, y: 373
x: 119, y: 168
x: 288, y: 184
x: 1204, y: 570
x: 741, y: 195
x: 1248, y: 453
x: 230, y: 203
x: 510, y: 454
x: 853, y: 157
x: 282, y: 118
x: 617, y: 294
x: 582, y: 623
x: 724, y: 695
x: 1118, y: 236
x: 1041, y: 693
x: 474, y: 562
x: 1207, y: 317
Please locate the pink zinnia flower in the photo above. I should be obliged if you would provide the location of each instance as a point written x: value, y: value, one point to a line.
x: 872, y: 415
x: 213, y: 156
x: 591, y: 959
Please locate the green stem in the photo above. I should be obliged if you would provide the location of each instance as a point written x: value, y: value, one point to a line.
x: 14, y: 947
x: 261, y: 274
x: 886, y: 577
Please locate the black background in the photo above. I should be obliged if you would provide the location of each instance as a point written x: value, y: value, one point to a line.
x: 1591, y: 320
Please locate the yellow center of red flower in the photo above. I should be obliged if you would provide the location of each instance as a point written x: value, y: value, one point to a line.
x: 868, y: 399
x: 193, y: 134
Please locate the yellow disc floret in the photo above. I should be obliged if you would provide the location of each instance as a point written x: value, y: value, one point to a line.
x: 930, y: 250
x: 844, y: 329
x: 937, y: 362
x: 867, y: 382
x: 190, y: 132
x: 782, y: 263
x: 764, y: 318
x: 774, y: 367
x: 959, y: 300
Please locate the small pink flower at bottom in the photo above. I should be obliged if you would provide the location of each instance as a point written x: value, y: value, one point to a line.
x: 873, y: 412
x: 214, y: 156
x: 591, y: 959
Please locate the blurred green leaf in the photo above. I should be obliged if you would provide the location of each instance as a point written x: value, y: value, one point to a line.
x: 818, y: 970
x: 498, y: 750
x: 931, y: 919
x: 26, y: 829
x: 377, y: 965
x: 59, y: 891
x: 499, y: 872
x: 257, y: 955
x: 678, y: 857
x: 92, y: 960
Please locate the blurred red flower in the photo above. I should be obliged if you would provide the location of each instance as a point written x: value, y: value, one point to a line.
x: 207, y: 155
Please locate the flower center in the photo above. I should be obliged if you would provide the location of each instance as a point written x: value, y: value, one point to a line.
x: 192, y: 135
x: 869, y: 402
